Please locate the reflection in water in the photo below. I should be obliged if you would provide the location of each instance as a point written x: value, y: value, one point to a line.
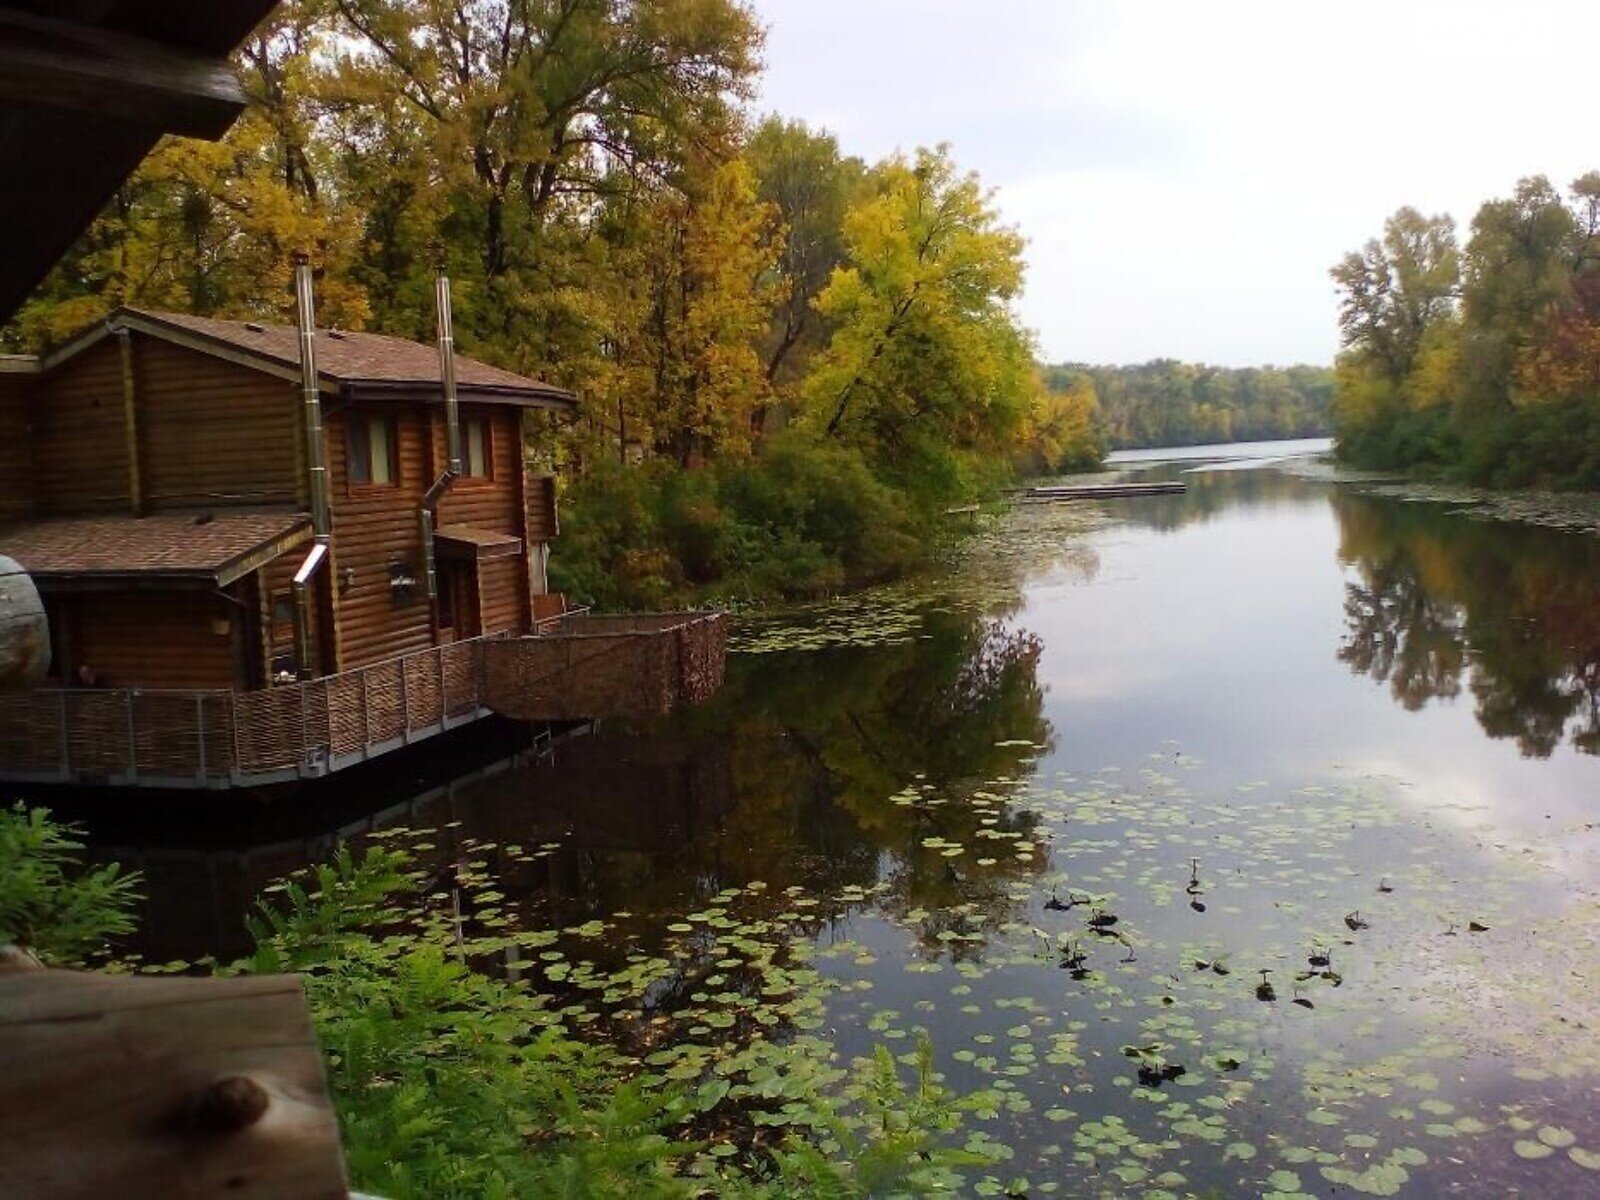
x: 791, y: 777
x: 1508, y: 609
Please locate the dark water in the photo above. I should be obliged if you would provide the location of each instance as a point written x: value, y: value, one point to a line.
x: 1271, y: 724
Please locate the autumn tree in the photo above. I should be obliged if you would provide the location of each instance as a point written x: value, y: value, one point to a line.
x: 926, y: 356
x: 810, y: 186
x: 1396, y: 287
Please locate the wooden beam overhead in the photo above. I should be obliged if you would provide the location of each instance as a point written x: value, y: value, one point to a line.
x: 45, y: 63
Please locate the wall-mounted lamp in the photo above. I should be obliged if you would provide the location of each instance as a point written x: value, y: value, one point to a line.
x: 347, y: 580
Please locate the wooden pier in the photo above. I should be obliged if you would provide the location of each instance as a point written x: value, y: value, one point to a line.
x: 1104, y: 491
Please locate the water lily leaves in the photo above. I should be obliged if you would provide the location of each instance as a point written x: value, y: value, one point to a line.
x: 1587, y: 1159
x: 1556, y: 1137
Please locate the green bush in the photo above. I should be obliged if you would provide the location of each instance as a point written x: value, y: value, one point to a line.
x: 804, y: 517
x: 62, y: 912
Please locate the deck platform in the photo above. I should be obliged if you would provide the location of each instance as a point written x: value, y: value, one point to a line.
x: 574, y: 667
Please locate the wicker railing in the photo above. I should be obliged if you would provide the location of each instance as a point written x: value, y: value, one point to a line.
x: 133, y: 736
x: 575, y: 667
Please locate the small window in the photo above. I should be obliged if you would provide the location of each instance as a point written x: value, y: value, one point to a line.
x: 476, y: 464
x: 371, y: 450
x: 283, y: 617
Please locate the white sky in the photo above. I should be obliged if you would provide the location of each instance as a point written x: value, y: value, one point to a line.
x: 1186, y: 171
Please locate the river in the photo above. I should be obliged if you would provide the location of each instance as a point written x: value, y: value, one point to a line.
x: 1064, y: 803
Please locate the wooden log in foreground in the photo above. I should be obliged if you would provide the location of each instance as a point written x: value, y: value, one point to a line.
x: 1101, y: 491
x: 134, y: 1087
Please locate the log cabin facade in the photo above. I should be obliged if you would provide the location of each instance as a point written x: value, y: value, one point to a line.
x: 154, y: 483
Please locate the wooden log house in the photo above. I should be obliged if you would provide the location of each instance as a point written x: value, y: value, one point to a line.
x: 158, y: 483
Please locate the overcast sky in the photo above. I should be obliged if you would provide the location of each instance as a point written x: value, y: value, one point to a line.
x: 1185, y: 172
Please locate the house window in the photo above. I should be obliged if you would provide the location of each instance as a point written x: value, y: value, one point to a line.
x: 476, y: 459
x: 371, y: 449
x: 284, y: 666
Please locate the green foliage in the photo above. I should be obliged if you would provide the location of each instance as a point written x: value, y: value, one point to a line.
x: 1168, y: 403
x: 450, y: 1081
x: 803, y: 517
x: 62, y: 912
x: 1479, y: 365
x: 612, y: 223
x: 454, y: 1077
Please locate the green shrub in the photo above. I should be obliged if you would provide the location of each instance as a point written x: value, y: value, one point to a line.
x: 804, y: 517
x: 49, y: 903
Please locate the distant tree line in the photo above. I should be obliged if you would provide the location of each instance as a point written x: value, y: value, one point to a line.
x: 1478, y: 362
x: 1170, y: 403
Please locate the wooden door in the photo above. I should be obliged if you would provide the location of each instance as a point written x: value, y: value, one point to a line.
x: 458, y: 602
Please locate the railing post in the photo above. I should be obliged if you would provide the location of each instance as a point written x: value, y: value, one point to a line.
x: 133, y: 741
x: 302, y: 690
x: 405, y: 703
x: 366, y: 715
x: 233, y: 723
x: 66, y: 754
x: 200, y: 731
x: 444, y: 703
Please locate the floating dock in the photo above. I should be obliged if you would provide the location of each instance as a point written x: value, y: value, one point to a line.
x: 1104, y: 491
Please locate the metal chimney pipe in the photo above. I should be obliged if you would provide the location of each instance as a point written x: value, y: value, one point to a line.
x: 429, y: 516
x: 447, y: 368
x: 316, y: 460
x: 316, y: 467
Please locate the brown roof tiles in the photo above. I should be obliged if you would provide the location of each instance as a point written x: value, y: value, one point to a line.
x: 207, y: 549
x: 367, y: 361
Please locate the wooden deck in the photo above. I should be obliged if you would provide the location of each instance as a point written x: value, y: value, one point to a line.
x: 575, y: 667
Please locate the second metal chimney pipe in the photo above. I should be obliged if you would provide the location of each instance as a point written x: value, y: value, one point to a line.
x: 452, y: 427
x: 316, y: 468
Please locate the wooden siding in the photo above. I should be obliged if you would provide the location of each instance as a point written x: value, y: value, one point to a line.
x: 501, y: 584
x: 483, y: 503
x: 16, y: 488
x: 79, y: 448
x: 211, y: 431
x: 541, y: 502
x: 375, y: 529
x: 149, y: 639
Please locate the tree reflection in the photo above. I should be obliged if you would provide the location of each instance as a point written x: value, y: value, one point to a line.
x: 1506, y: 610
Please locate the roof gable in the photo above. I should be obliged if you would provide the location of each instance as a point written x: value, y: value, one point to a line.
x: 360, y: 365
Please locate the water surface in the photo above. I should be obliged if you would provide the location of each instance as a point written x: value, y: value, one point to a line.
x: 1062, y: 805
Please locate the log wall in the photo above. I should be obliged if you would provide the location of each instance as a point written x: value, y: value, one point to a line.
x: 149, y: 639
x: 375, y: 530
x: 16, y: 488
x: 79, y: 447
x: 211, y: 431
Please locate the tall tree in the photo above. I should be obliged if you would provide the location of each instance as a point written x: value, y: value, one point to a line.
x: 808, y: 183
x: 1395, y: 288
x: 926, y: 353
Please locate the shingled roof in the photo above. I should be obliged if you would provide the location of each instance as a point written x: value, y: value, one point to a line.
x: 358, y: 365
x: 211, y: 550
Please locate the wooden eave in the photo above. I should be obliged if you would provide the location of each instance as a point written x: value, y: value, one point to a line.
x: 87, y: 89
x: 417, y: 391
x: 428, y: 392
x: 466, y: 543
x: 187, y: 338
x: 221, y: 575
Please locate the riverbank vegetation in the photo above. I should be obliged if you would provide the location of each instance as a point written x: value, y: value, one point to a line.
x: 1171, y: 403
x: 1477, y: 362
x: 729, y: 296
x: 469, y: 1057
